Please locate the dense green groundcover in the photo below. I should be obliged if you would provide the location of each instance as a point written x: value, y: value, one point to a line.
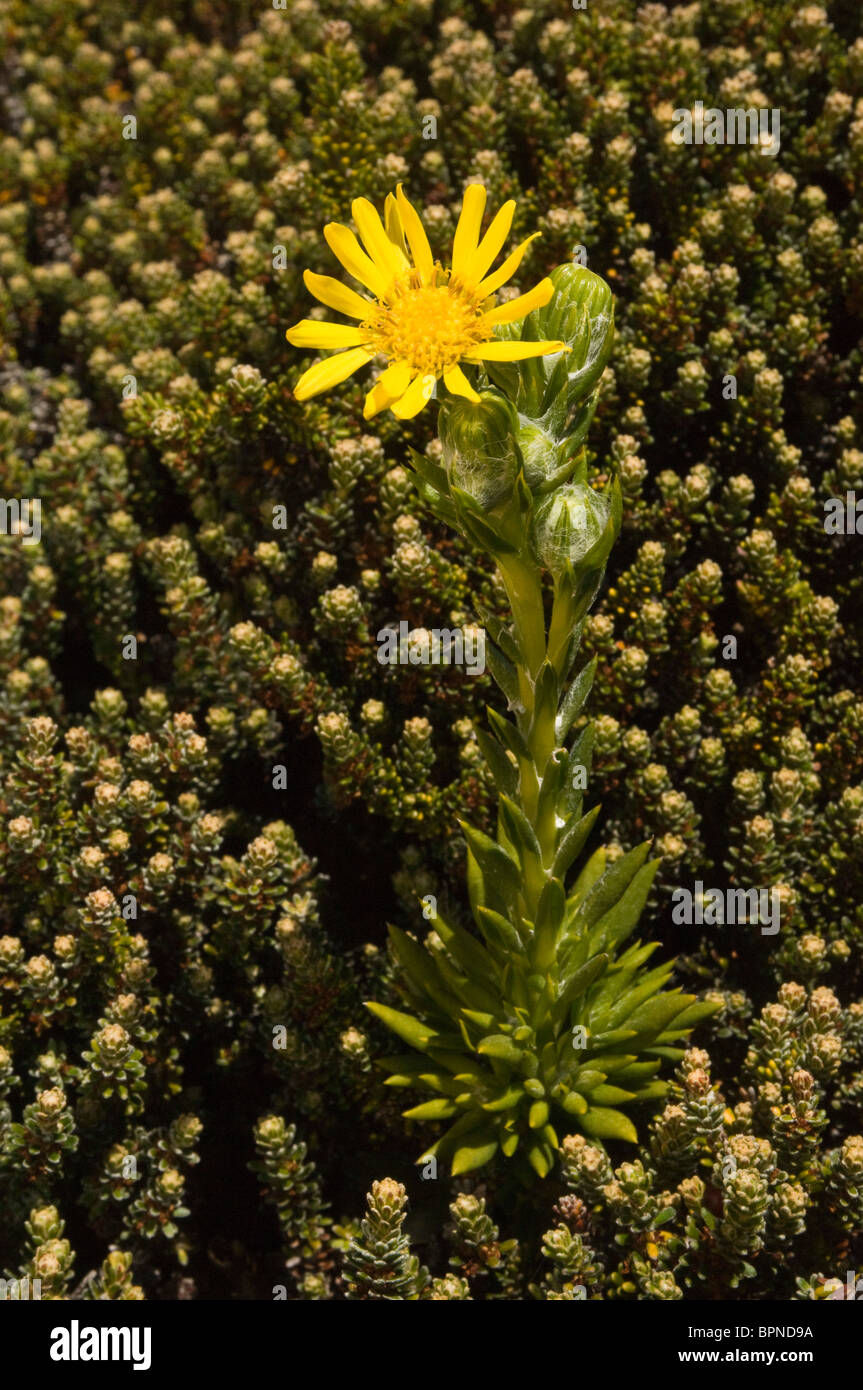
x: 200, y: 847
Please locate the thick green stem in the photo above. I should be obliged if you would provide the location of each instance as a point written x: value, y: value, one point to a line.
x: 546, y: 832
x: 523, y: 582
x: 524, y: 591
x: 534, y: 882
x: 561, y: 625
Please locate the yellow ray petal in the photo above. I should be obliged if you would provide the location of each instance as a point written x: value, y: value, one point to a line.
x: 337, y: 296
x: 504, y: 272
x: 490, y: 244
x: 392, y: 383
x: 415, y: 397
x: 512, y: 352
x: 323, y: 375
x: 376, y: 400
x: 521, y: 306
x: 416, y: 235
x: 456, y: 382
x: 383, y: 252
x: 345, y: 246
x: 393, y: 224
x: 466, y: 236
x: 396, y: 378
x: 317, y: 333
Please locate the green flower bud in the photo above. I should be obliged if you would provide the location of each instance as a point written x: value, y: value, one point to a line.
x: 480, y: 452
x: 574, y: 524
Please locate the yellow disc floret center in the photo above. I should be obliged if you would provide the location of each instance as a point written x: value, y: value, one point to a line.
x: 430, y: 327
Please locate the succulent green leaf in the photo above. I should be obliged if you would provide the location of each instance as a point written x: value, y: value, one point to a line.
x: 572, y: 842
x: 519, y: 829
x: 509, y: 1143
x: 573, y: 700
x: 409, y: 1029
x: 652, y: 1090
x: 436, y: 502
x: 622, y: 919
x: 509, y: 735
x: 613, y: 883
x: 498, y: 870
x: 468, y: 1157
x: 466, y: 1124
x: 629, y: 1076
x: 509, y: 1099
x: 589, y: 875
x: 655, y: 1015
x: 415, y: 1071
x: 462, y: 1064
x: 540, y: 1157
x: 611, y: 1037
x: 504, y: 673
x: 578, y: 984
x: 545, y: 698
x: 502, y: 770
x: 548, y: 925
x: 501, y: 931
x: 438, y: 1109
x: 538, y: 1114
x: 696, y: 1012
x: 503, y: 1048
x: 430, y: 472
x: 575, y: 1104
x: 589, y: 1075
x: 470, y: 519
x: 616, y: 1000
x: 469, y: 953
x: 500, y: 634
x: 611, y: 1061
x: 483, y: 1021
x: 469, y: 992
x: 580, y: 755
x: 418, y: 965
x: 610, y: 1095
x: 552, y: 783
x: 603, y: 1123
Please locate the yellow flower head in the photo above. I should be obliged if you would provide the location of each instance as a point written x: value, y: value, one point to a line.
x: 424, y: 319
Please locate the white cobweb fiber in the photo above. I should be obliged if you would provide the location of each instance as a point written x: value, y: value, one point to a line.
x: 486, y: 475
